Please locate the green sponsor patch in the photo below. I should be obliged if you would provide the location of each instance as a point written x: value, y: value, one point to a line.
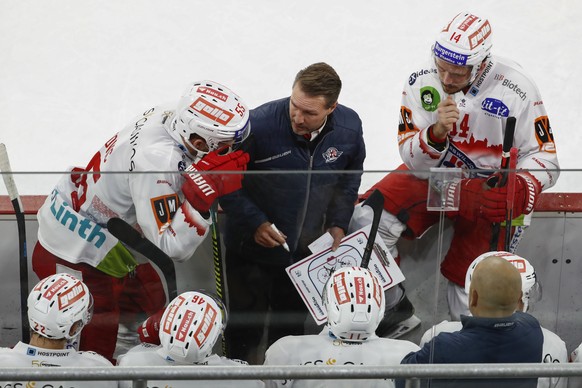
x: 430, y: 98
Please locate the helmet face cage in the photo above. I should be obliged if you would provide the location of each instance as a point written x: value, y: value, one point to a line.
x: 530, y: 286
x: 190, y: 326
x: 464, y: 41
x: 355, y: 303
x: 56, y: 304
x: 213, y: 112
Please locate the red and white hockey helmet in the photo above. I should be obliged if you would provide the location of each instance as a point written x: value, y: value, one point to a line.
x: 191, y: 325
x: 355, y: 303
x: 464, y: 41
x: 56, y: 303
x: 530, y: 286
x: 213, y: 112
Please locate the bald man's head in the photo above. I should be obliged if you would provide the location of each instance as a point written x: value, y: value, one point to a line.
x: 495, y: 288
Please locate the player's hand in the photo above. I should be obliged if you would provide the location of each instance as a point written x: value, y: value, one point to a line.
x: 471, y: 196
x: 149, y: 330
x: 268, y: 237
x: 494, y: 200
x: 448, y: 114
x: 201, y: 190
x: 337, y: 233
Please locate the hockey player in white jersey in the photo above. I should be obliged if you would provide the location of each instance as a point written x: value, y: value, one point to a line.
x: 189, y: 328
x: 59, y: 306
x: 575, y: 356
x: 554, y: 348
x: 152, y: 175
x: 453, y: 114
x: 355, y: 305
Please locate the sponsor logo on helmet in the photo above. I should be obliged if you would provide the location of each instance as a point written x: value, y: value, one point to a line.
x: 416, y: 74
x: 515, y: 87
x: 184, y: 326
x: 519, y: 264
x: 360, y: 290
x: 212, y: 111
x: 340, y: 289
x: 449, y: 55
x: 430, y: 98
x: 212, y: 92
x: 479, y: 36
x: 465, y: 24
x: 332, y: 154
x: 72, y: 295
x: 495, y: 107
x: 54, y: 288
x: 171, y: 313
x: 203, y: 330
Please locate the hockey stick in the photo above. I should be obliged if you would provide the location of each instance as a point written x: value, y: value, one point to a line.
x: 510, y: 197
x: 505, y: 155
x: 132, y: 238
x: 21, y: 224
x: 376, y: 202
x: 218, y: 263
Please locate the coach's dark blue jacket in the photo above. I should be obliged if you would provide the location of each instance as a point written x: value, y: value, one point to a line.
x: 300, y: 193
x: 514, y: 339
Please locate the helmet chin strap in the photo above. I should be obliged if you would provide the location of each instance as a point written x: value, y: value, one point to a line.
x: 189, y: 146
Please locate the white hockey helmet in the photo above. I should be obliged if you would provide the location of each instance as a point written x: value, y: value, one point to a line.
x: 530, y: 286
x: 464, y: 41
x: 355, y: 303
x: 56, y: 303
x: 191, y: 325
x: 213, y: 112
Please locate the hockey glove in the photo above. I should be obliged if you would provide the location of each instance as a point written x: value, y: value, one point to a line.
x: 201, y: 190
x: 150, y: 328
x: 494, y: 200
x: 471, y: 196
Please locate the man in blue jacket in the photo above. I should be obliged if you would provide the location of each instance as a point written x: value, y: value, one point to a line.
x: 308, y: 152
x: 494, y: 334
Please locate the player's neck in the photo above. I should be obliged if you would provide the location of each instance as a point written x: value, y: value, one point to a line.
x: 47, y: 343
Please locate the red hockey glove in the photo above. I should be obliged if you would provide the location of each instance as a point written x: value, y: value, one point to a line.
x: 471, y: 196
x: 201, y: 190
x: 149, y: 330
x: 494, y: 200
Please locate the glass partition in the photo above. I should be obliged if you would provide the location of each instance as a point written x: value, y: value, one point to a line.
x: 424, y: 245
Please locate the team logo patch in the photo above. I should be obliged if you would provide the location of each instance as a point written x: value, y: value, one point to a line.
x: 164, y: 208
x: 181, y: 165
x: 430, y: 98
x: 332, y: 154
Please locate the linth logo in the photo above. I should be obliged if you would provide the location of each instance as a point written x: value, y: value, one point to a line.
x: 211, y: 111
x: 213, y: 92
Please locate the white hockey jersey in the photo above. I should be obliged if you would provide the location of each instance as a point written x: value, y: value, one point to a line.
x: 136, y: 176
x: 24, y: 355
x: 476, y: 141
x: 152, y: 355
x: 324, y: 350
x: 575, y: 356
x: 554, y: 349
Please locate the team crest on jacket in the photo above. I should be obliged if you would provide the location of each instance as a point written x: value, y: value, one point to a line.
x: 331, y: 154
